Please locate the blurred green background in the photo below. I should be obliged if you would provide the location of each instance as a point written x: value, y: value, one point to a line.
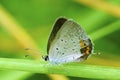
x: 35, y: 18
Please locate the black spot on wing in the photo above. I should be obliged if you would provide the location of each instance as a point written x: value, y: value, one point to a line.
x: 61, y: 39
x: 73, y: 41
x: 65, y: 41
x: 56, y: 48
x: 73, y: 49
x: 74, y: 45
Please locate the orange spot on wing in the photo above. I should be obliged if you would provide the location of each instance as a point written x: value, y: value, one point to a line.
x: 87, y: 50
x: 82, y: 43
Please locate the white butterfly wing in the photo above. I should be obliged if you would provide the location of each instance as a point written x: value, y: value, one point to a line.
x: 65, y: 47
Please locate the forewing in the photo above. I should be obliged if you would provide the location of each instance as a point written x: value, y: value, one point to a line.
x: 58, y: 24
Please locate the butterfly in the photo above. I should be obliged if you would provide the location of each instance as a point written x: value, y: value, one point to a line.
x: 68, y: 42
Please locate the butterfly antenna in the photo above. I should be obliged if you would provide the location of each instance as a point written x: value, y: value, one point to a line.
x: 34, y: 51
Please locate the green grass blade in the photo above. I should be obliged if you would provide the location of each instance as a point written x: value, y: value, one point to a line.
x: 73, y: 69
x: 105, y: 30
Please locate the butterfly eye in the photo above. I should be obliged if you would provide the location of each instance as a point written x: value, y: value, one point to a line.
x: 46, y: 58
